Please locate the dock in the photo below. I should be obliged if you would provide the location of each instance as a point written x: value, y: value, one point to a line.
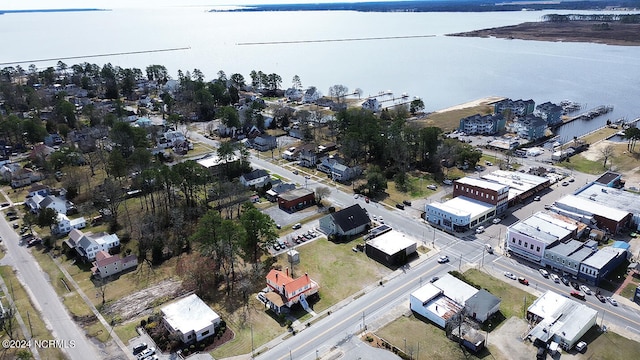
x: 589, y: 115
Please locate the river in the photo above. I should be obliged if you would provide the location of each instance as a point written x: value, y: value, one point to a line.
x: 442, y: 70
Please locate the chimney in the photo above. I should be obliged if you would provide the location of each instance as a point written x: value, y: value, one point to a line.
x: 287, y: 271
x: 307, y: 275
x: 276, y: 276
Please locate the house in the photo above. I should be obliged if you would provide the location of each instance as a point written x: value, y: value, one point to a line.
x: 107, y: 265
x: 308, y: 158
x: 311, y: 95
x: 65, y: 225
x: 286, y: 291
x: 255, y: 178
x: 517, y: 107
x: 293, y: 94
x: 295, y: 200
x: 346, y: 222
x: 549, y: 112
x: 264, y: 142
x: 482, y: 124
x: 19, y: 176
x: 372, y: 104
x: 38, y: 189
x: 53, y: 139
x: 40, y: 152
x: 482, y: 305
x: 190, y: 319
x: 88, y: 244
x: 337, y: 171
x: 60, y: 205
x: 529, y: 127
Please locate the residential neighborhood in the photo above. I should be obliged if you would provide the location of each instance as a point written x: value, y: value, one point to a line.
x: 226, y: 218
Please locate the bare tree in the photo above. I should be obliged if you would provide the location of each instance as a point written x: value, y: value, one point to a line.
x: 322, y: 192
x: 607, y: 152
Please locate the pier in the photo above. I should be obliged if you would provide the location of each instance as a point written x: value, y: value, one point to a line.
x: 589, y: 115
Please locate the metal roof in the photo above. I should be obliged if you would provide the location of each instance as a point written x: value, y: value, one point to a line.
x: 463, y: 206
x: 481, y: 183
x: 455, y: 288
x: 625, y: 201
x: 544, y: 227
x: 391, y: 242
x: 602, y: 257
x: 592, y: 206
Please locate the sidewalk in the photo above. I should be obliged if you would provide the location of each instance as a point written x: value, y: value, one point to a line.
x: 23, y: 327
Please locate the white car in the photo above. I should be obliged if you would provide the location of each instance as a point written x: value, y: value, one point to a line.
x: 612, y: 301
x: 544, y: 273
x: 496, y: 220
x: 555, y: 278
x: 443, y: 259
x: 581, y: 346
x: 585, y: 290
x: 480, y: 230
x: 510, y: 275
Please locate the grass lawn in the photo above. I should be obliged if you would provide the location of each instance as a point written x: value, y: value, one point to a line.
x: 450, y: 120
x: 609, y: 346
x: 579, y: 163
x: 324, y: 260
x: 596, y: 136
x: 430, y: 339
x: 29, y: 315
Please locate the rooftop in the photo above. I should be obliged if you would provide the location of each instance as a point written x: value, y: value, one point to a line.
x: 455, y: 288
x: 295, y: 194
x: 518, y: 182
x: 544, y: 227
x: 351, y: 217
x: 213, y: 159
x: 602, y: 257
x: 608, y: 177
x: 561, y: 316
x: 188, y: 314
x: 463, y: 206
x: 435, y: 302
x: 625, y: 201
x: 586, y: 204
x: 391, y: 242
x: 481, y: 183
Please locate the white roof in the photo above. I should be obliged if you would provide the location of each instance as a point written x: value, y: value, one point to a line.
x: 518, y: 182
x: 463, y: 206
x: 214, y: 160
x: 602, y: 257
x: 592, y: 207
x: 561, y: 316
x: 426, y: 293
x: 391, y: 242
x: 492, y: 185
x: 623, y: 200
x: 189, y: 314
x: 455, y: 289
x: 544, y: 227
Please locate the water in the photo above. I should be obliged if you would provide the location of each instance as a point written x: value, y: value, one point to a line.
x: 443, y: 71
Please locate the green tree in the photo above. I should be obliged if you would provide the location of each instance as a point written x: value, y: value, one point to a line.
x: 228, y: 115
x: 376, y: 182
x: 47, y: 217
x: 416, y: 105
x: 260, y: 232
x: 237, y: 80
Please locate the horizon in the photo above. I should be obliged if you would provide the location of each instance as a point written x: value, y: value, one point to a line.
x: 123, y: 4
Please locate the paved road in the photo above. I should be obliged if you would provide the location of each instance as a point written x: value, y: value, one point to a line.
x: 337, y: 328
x: 77, y: 345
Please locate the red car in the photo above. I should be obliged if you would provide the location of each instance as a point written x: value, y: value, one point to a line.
x: 523, y: 281
x: 366, y: 199
x: 577, y: 295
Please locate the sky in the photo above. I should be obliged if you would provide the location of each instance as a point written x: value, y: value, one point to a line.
x: 114, y: 4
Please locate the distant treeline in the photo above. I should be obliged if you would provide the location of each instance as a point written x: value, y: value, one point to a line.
x: 625, y: 19
x: 438, y: 6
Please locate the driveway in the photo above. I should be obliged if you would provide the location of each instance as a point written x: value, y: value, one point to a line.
x: 144, y: 338
x: 284, y: 218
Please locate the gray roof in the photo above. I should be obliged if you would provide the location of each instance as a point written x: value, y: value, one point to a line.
x: 581, y: 254
x: 482, y: 302
x: 565, y: 249
x: 602, y: 257
x: 255, y: 174
x: 295, y: 194
x: 618, y: 199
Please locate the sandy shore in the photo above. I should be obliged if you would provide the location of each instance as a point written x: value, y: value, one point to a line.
x: 482, y: 101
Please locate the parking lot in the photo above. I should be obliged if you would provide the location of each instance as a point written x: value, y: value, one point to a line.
x: 284, y: 218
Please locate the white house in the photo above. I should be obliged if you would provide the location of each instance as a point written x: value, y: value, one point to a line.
x: 311, y: 95
x: 88, y: 245
x: 255, y: 178
x: 191, y: 319
x: 372, y: 104
x: 65, y: 225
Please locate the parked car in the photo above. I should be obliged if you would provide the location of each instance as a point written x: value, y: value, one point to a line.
x: 147, y: 352
x: 523, y: 281
x: 16, y: 225
x: 432, y: 187
x: 380, y: 220
x: 400, y: 206
x: 555, y: 278
x: 276, y: 246
x: 586, y: 290
x: 443, y: 259
x: 564, y: 183
x: 295, y: 172
x: 510, y: 275
x: 572, y: 179
x: 34, y: 242
x: 537, y: 198
x: 612, y: 301
x: 296, y: 226
x: 447, y: 182
x: 488, y: 163
x: 139, y: 347
x: 5, y: 204
x: 13, y: 218
x: 434, y: 279
x: 544, y: 273
x: 11, y: 213
x: 547, y: 207
x: 406, y: 202
x: 278, y: 226
x: 601, y: 298
x: 564, y: 280
x: 496, y: 220
x: 480, y: 230
x: 575, y: 285
x: 581, y: 347
x: 578, y: 295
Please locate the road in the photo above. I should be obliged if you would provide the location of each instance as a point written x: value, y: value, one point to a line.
x: 337, y: 328
x: 75, y: 343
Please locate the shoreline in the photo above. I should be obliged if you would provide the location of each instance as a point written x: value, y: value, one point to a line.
x: 482, y: 101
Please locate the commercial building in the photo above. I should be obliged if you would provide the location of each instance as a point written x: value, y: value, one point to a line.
x: 602, y: 194
x: 486, y: 191
x: 295, y: 200
x: 591, y: 210
x: 596, y: 267
x: 610, y: 179
x: 521, y: 185
x: 459, y: 214
x: 482, y: 124
x: 190, y: 319
x: 391, y: 248
x: 559, y: 319
x: 449, y: 296
x: 529, y: 238
x: 566, y: 257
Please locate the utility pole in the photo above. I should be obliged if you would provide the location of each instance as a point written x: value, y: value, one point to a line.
x: 252, y: 348
x: 364, y: 325
x: 31, y: 328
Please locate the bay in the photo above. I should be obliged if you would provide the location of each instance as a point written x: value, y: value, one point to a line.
x: 442, y: 70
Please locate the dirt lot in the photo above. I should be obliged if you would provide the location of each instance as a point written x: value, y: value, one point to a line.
x: 142, y: 302
x: 572, y: 31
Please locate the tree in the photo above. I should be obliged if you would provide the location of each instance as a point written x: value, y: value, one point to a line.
x: 417, y: 105
x: 228, y: 115
x: 260, y: 232
x: 338, y: 91
x: 296, y: 83
x: 321, y: 193
x: 632, y: 134
x: 607, y: 152
x: 273, y: 82
x: 47, y: 217
x: 237, y: 80
x: 376, y: 182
